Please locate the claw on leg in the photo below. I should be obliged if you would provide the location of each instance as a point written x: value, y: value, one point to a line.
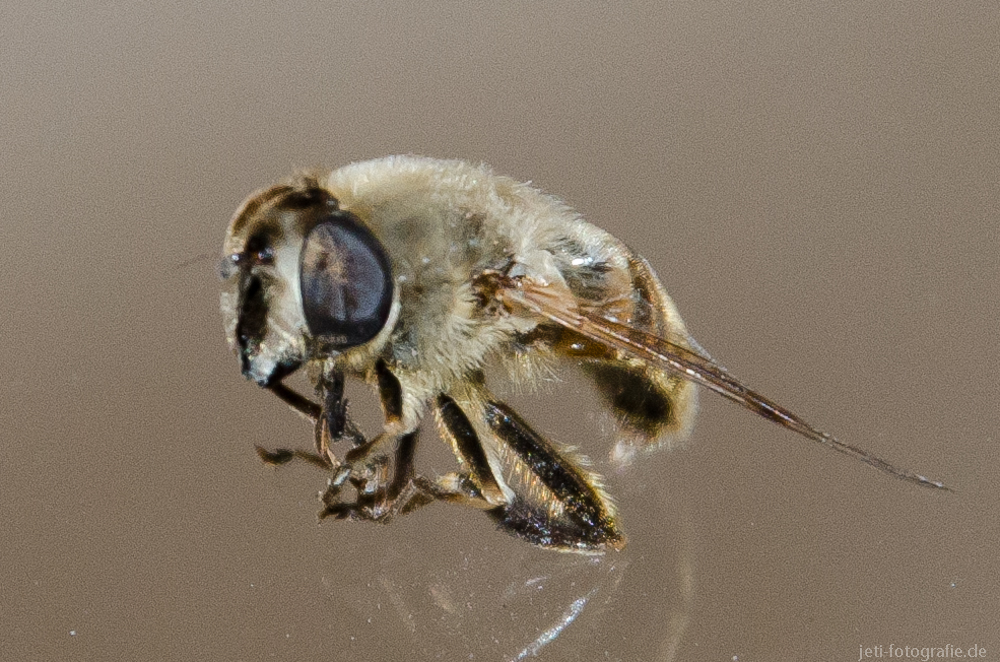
x: 280, y: 456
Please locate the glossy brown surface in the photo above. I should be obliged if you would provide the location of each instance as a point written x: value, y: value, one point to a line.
x: 817, y: 187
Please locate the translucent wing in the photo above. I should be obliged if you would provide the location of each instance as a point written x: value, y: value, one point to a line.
x: 549, y: 303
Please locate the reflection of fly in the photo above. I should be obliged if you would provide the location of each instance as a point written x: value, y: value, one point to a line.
x: 415, y: 274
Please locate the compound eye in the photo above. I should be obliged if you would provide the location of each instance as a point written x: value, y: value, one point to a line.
x: 346, y: 281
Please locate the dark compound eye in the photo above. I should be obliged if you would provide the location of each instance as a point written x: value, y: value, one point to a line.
x: 346, y: 281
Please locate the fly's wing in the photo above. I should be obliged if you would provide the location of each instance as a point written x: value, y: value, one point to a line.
x: 558, y: 306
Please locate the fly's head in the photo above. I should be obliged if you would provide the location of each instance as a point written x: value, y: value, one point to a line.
x: 303, y: 280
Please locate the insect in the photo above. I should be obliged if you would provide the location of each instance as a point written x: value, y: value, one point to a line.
x: 420, y: 276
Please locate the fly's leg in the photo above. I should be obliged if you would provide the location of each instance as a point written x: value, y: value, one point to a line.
x: 531, y: 487
x: 380, y: 499
x: 330, y: 421
x: 381, y: 491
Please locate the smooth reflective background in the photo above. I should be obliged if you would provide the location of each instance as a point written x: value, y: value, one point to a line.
x: 816, y: 185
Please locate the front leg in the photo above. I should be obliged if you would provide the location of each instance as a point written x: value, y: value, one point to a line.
x: 379, y: 500
x: 330, y: 420
x: 378, y: 497
x: 333, y: 424
x: 384, y: 492
x: 385, y: 484
x: 367, y: 471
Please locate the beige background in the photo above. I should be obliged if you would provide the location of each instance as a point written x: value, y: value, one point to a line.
x: 816, y: 183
